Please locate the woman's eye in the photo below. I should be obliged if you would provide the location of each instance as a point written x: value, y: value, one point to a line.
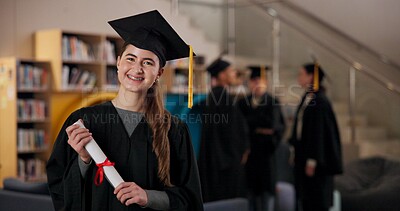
x: 148, y: 63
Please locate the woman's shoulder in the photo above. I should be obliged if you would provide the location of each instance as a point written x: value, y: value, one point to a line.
x: 176, y: 124
x: 178, y: 128
x: 179, y: 137
x: 321, y: 101
x: 97, y: 108
x: 89, y: 112
x: 321, y: 96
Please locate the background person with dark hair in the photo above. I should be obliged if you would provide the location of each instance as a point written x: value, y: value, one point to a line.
x: 316, y: 142
x: 224, y: 144
x: 266, y: 127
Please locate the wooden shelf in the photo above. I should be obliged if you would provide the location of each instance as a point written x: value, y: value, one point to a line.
x: 22, y: 121
x: 39, y: 72
x: 49, y: 45
x: 38, y: 91
x: 30, y: 151
x: 78, y: 90
x: 77, y: 62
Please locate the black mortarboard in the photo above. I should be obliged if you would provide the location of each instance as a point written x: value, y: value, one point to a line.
x: 258, y: 71
x: 316, y: 70
x: 311, y: 68
x: 217, y: 66
x: 150, y: 31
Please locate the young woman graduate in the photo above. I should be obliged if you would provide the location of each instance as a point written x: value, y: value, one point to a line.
x: 150, y: 149
x: 316, y: 143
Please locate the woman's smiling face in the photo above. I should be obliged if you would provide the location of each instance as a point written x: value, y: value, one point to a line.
x: 138, y: 69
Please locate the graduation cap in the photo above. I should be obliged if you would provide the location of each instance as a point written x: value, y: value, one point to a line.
x: 258, y: 71
x: 318, y: 73
x: 150, y: 31
x: 217, y: 66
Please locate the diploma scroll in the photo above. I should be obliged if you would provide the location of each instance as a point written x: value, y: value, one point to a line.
x: 99, y: 157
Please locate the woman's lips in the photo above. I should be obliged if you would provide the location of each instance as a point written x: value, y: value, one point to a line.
x: 135, y: 78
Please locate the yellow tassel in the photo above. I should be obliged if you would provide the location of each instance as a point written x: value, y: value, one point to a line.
x: 190, y: 79
x: 263, y: 72
x: 316, y: 77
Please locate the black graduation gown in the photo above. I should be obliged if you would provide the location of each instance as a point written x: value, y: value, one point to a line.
x: 134, y: 160
x: 320, y: 140
x: 224, y: 140
x: 260, y: 167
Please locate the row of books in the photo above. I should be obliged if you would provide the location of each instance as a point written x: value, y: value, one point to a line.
x: 110, y: 53
x: 31, y: 139
x: 31, y: 109
x: 76, y: 49
x: 112, y: 77
x: 74, y: 78
x: 31, y: 77
x: 31, y: 169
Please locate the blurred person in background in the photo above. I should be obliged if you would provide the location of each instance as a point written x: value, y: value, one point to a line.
x: 266, y: 128
x: 316, y: 143
x: 239, y: 88
x: 224, y: 141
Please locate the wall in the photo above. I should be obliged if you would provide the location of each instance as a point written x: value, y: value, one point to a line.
x: 7, y: 28
x: 209, y: 15
x: 19, y: 19
x: 371, y: 22
x: 253, y: 34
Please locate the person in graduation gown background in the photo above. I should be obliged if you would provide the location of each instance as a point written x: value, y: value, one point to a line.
x: 151, y: 149
x: 316, y: 142
x: 266, y: 126
x: 224, y: 140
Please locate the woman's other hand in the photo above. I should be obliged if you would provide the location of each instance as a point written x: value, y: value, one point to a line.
x: 129, y: 193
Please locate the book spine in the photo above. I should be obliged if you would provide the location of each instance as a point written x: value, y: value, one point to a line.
x: 31, y: 139
x: 31, y: 109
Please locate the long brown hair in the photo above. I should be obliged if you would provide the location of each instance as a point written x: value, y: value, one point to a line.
x: 159, y: 121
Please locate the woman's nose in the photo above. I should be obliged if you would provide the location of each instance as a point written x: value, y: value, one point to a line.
x: 137, y: 67
x: 139, y: 70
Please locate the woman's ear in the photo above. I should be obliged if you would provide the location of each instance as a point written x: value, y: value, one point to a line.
x: 118, y: 61
x: 160, y: 72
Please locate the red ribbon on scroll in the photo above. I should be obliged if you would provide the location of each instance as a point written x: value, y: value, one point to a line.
x: 98, y: 179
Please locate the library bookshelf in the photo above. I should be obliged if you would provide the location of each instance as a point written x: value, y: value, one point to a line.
x: 81, y: 62
x: 84, y: 69
x: 95, y: 54
x: 25, y: 118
